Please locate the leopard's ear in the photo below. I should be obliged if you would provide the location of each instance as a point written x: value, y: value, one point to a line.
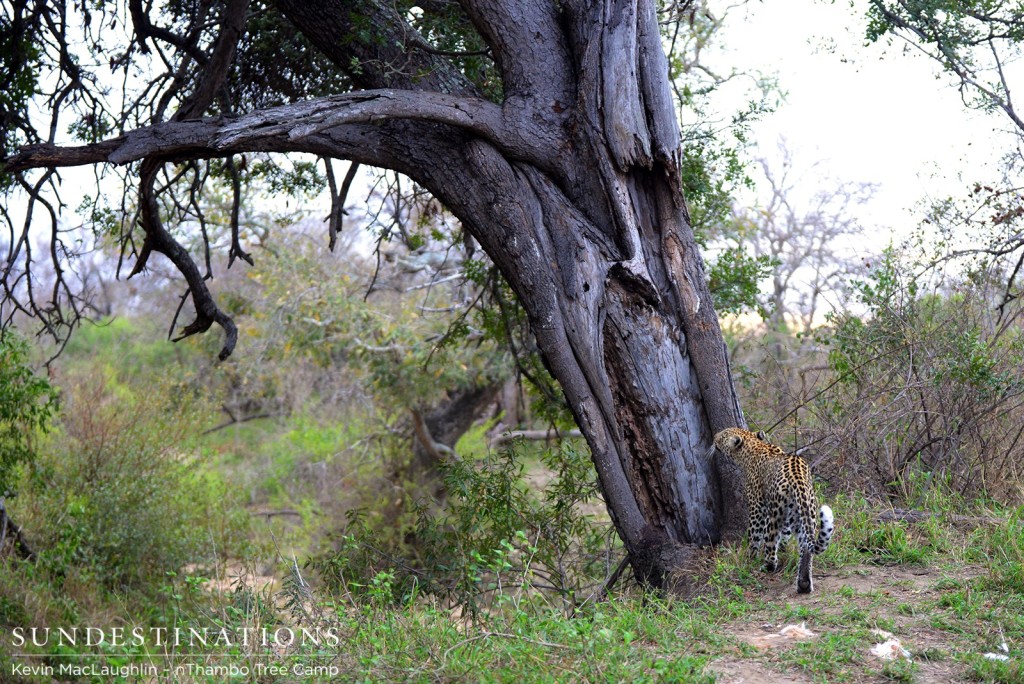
x: 761, y: 436
x: 736, y: 441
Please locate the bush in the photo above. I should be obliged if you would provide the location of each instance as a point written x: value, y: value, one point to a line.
x: 116, y: 495
x: 496, y: 539
x: 27, y: 402
x: 915, y: 396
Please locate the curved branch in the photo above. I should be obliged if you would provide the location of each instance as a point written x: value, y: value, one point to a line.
x: 338, y: 197
x: 159, y: 240
x: 284, y: 128
x: 436, y: 450
x: 236, y: 250
x: 303, y: 119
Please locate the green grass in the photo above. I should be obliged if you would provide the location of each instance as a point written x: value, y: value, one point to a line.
x: 637, y: 639
x: 950, y: 592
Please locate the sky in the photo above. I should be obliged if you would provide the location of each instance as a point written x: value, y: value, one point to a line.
x: 868, y: 113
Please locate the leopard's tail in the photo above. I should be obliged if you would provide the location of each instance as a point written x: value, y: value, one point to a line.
x: 826, y: 526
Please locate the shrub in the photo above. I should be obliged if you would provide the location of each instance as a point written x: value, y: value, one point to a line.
x: 929, y: 388
x: 495, y: 539
x: 117, y: 495
x: 27, y: 402
x: 914, y: 394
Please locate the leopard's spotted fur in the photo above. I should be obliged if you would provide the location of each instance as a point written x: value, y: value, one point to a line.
x: 780, y: 496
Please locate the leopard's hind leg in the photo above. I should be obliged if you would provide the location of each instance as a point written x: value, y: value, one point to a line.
x: 772, y: 536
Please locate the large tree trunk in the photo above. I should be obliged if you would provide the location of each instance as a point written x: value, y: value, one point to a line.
x: 599, y: 248
x: 572, y: 186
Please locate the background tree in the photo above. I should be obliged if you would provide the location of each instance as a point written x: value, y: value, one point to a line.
x: 807, y: 241
x: 978, y: 44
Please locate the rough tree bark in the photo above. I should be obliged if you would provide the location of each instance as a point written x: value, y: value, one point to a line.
x: 571, y: 184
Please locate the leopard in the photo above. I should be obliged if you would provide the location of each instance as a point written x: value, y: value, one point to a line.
x: 780, y: 499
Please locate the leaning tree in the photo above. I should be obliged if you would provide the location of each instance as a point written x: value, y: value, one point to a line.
x: 548, y: 128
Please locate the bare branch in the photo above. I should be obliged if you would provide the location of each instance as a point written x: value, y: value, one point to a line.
x: 159, y: 240
x: 532, y: 435
x: 236, y: 202
x: 237, y: 421
x: 338, y: 197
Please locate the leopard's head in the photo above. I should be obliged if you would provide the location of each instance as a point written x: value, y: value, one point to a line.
x: 741, y: 445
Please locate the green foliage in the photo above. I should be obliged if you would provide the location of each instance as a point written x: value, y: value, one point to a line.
x: 931, y: 382
x: 133, y: 346
x: 735, y: 278
x: 970, y: 40
x: 27, y: 403
x: 714, y: 164
x: 117, y: 495
x: 276, y: 64
x: 711, y: 171
x: 955, y: 28
x: 890, y: 301
x: 635, y: 637
x: 448, y: 28
x: 496, y: 541
x: 963, y: 597
x: 302, y: 311
x: 19, y: 56
x: 275, y: 176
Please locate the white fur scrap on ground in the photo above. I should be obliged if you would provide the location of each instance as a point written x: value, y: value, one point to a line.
x: 999, y: 656
x: 890, y: 649
x: 777, y: 639
x: 796, y: 631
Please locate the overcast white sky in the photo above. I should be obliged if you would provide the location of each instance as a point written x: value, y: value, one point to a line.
x: 868, y: 112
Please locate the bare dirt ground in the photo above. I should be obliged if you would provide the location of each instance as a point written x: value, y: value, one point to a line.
x: 886, y: 596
